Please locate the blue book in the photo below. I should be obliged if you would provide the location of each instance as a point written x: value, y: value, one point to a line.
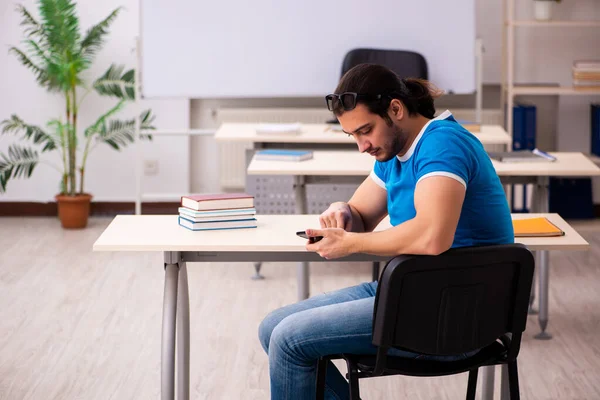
x: 283, y: 155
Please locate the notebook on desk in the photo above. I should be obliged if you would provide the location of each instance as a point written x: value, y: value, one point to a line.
x: 279, y: 129
x: 519, y: 156
x: 536, y: 227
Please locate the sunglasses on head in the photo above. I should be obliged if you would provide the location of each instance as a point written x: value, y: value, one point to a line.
x: 347, y: 100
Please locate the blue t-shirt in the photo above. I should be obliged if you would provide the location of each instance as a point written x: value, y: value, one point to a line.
x: 444, y: 147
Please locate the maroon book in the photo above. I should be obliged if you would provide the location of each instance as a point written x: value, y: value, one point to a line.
x: 217, y: 201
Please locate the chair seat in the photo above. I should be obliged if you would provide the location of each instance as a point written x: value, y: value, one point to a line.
x: 489, y: 355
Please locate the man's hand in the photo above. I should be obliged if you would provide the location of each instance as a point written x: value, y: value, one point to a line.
x: 338, y: 215
x: 336, y: 242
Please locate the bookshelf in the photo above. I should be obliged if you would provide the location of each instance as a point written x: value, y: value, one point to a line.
x: 574, y: 24
x: 554, y: 90
x: 509, y: 88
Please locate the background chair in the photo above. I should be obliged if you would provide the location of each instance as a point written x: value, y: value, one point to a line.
x: 460, y: 301
x: 406, y: 64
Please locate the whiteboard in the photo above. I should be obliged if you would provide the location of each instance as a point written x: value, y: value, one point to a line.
x: 294, y: 48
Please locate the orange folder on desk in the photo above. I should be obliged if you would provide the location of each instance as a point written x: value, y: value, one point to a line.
x: 535, y: 227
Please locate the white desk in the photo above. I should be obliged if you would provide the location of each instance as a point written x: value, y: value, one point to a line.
x: 353, y: 163
x: 321, y: 133
x: 273, y: 240
x: 355, y: 166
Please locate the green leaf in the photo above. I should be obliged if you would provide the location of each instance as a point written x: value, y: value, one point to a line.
x: 32, y: 27
x: 94, y: 37
x: 35, y: 133
x: 119, y: 134
x: 116, y: 83
x: 100, y: 122
x: 61, y: 26
x: 41, y: 75
x: 20, y: 162
x: 59, y: 132
x: 61, y: 29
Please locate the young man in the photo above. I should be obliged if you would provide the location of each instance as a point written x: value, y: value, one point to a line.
x: 438, y: 186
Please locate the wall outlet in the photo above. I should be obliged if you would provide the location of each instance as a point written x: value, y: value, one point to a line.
x: 150, y: 167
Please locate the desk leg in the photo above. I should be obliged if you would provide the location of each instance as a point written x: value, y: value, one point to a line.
x: 504, y: 389
x: 249, y: 154
x: 302, y: 272
x: 375, y: 272
x: 544, y: 281
x: 303, y: 278
x: 535, y: 206
x: 532, y: 310
x: 168, y: 332
x: 487, y: 383
x: 543, y: 264
x: 183, y: 335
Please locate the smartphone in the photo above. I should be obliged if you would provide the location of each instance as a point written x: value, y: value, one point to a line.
x: 303, y: 234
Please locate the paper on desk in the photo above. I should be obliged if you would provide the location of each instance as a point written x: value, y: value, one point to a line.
x: 292, y: 128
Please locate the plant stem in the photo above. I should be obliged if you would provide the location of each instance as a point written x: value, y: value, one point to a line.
x: 68, y: 143
x: 73, y: 154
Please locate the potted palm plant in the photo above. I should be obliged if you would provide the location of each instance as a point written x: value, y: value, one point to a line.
x: 58, y: 55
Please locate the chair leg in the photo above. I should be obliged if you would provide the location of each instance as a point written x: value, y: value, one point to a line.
x: 321, y: 374
x: 472, y: 385
x: 353, y: 380
x: 513, y: 380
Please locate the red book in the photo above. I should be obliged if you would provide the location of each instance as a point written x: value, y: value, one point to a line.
x: 218, y: 201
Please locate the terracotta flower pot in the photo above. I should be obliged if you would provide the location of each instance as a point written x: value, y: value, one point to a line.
x: 73, y: 211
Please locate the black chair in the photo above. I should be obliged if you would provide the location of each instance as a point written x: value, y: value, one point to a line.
x: 406, y: 64
x: 457, y: 302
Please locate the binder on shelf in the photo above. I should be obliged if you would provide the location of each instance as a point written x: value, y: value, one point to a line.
x: 524, y: 138
x: 595, y: 128
x: 518, y: 128
x: 530, y: 127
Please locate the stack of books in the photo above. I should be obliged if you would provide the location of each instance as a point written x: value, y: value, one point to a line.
x: 206, y: 212
x: 586, y: 74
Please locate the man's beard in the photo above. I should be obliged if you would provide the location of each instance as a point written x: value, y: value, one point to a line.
x: 396, y: 144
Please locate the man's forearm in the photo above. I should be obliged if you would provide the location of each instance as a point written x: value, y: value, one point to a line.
x: 358, y: 224
x: 411, y: 237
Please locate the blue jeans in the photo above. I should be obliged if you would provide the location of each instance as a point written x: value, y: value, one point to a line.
x: 297, y: 335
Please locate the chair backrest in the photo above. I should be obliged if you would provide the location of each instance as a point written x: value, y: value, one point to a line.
x: 456, y: 302
x: 406, y: 64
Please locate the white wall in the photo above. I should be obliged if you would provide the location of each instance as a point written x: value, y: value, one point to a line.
x: 110, y: 174
x: 543, y: 54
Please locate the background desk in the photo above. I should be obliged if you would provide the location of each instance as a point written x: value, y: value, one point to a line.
x: 273, y: 240
x: 312, y: 134
x: 355, y: 166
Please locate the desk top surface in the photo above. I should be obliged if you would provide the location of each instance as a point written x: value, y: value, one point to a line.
x: 321, y: 133
x: 275, y: 233
x: 353, y: 163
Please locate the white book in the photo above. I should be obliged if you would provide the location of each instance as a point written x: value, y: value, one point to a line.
x: 217, y: 218
x: 276, y: 129
x: 209, y: 226
x: 217, y: 213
